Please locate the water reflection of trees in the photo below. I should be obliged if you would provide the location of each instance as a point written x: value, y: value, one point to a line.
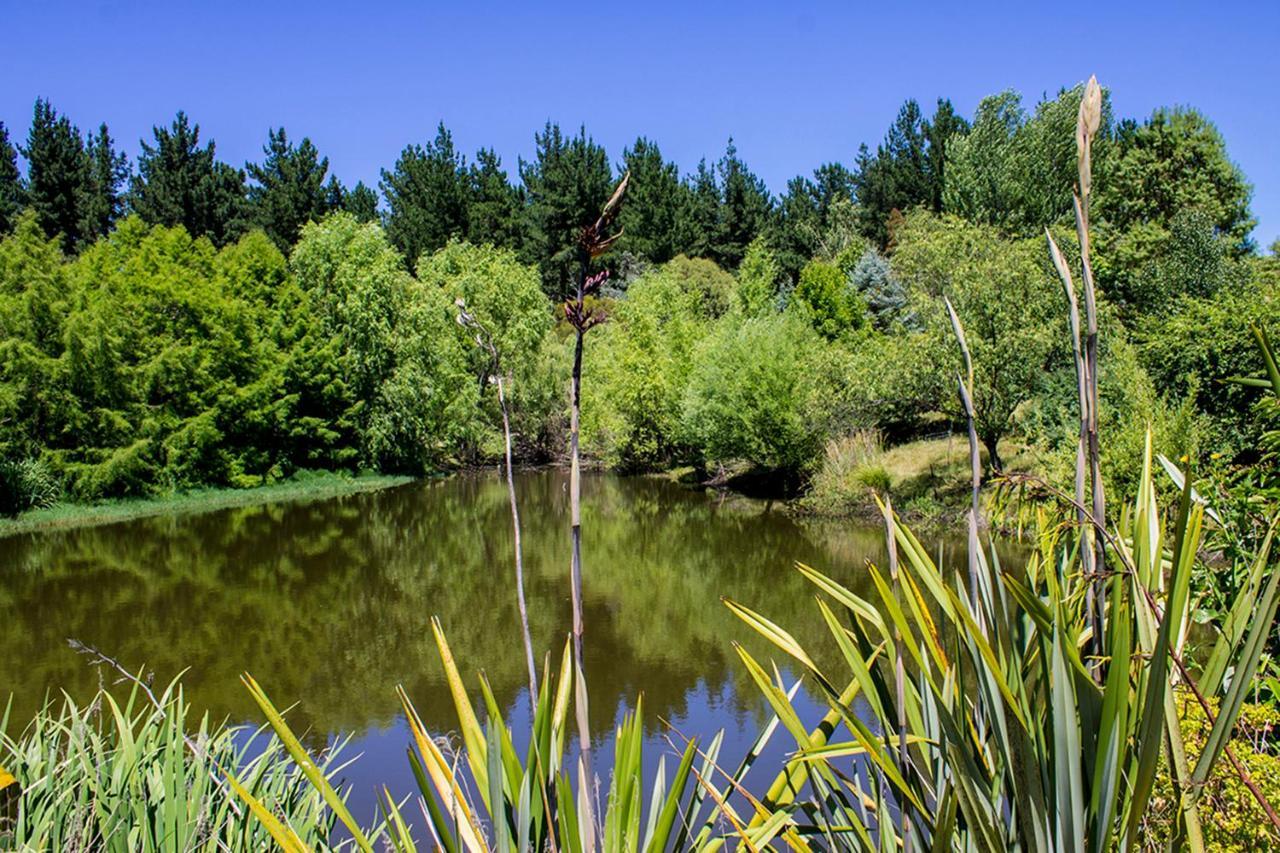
x: 329, y: 602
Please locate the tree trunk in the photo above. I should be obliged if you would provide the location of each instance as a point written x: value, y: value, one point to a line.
x: 994, y: 463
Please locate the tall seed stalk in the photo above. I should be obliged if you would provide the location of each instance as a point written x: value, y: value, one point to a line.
x: 1088, y: 451
x: 484, y: 340
x: 975, y: 462
x: 1087, y: 124
x: 592, y: 243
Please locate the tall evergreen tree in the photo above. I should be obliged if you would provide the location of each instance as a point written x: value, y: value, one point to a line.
x: 426, y: 195
x: 939, y: 131
x: 11, y: 189
x: 108, y: 173
x: 907, y: 168
x: 289, y: 188
x: 494, y: 205
x: 701, y: 219
x: 797, y: 225
x: 58, y: 175
x: 805, y: 217
x: 361, y: 202
x: 745, y: 209
x: 335, y: 194
x: 651, y: 218
x: 180, y: 183
x: 567, y: 182
x: 895, y: 177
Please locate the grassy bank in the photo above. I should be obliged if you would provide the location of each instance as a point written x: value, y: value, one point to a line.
x: 310, y: 485
x: 929, y: 478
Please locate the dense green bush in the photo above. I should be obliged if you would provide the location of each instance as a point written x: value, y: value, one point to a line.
x: 637, y: 367
x: 1201, y: 342
x: 26, y: 484
x: 753, y: 392
x: 825, y: 297
x: 153, y: 362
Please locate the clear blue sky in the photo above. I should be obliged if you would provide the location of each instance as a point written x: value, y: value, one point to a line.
x: 794, y: 84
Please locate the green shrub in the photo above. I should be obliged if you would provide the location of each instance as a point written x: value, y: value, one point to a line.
x: 636, y: 371
x: 1230, y: 816
x: 1200, y: 343
x: 26, y: 484
x: 753, y: 393
x: 825, y: 298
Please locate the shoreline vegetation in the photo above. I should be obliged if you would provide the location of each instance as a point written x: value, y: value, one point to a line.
x: 304, y: 486
x: 931, y: 473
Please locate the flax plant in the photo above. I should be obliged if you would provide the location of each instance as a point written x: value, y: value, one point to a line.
x: 593, y: 242
x: 134, y: 774
x: 1032, y: 714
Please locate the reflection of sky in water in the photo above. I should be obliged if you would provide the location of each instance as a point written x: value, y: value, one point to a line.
x: 328, y: 604
x: 708, y: 709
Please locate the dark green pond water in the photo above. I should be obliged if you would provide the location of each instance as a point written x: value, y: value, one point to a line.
x: 328, y: 604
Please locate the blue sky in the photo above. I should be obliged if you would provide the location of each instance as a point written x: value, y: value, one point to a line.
x: 795, y: 84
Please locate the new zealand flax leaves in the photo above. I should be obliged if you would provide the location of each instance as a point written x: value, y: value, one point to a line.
x: 1011, y: 732
x: 487, y: 798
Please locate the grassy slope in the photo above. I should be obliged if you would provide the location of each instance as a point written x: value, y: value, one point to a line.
x: 928, y: 478
x: 309, y: 486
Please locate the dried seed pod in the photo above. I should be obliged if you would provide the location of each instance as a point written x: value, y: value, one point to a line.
x: 1087, y: 124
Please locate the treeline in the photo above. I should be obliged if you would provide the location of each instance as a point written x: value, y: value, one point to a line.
x: 181, y: 321
x: 1010, y: 167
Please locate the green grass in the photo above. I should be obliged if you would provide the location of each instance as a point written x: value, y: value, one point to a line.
x: 927, y: 478
x: 310, y: 485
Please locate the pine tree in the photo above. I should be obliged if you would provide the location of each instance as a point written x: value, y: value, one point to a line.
x: 494, y: 205
x: 334, y: 194
x: 907, y: 169
x: 805, y: 220
x: 745, y: 209
x: 11, y: 189
x: 289, y: 188
x: 939, y: 131
x: 361, y: 202
x: 567, y: 182
x: 701, y: 220
x: 797, y: 225
x: 426, y: 195
x: 651, y: 218
x: 180, y: 183
x: 58, y: 175
x: 108, y: 173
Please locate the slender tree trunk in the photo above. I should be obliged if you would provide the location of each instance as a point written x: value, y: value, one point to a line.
x: 515, y: 529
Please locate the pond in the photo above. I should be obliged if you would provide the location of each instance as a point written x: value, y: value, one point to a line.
x: 328, y: 604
